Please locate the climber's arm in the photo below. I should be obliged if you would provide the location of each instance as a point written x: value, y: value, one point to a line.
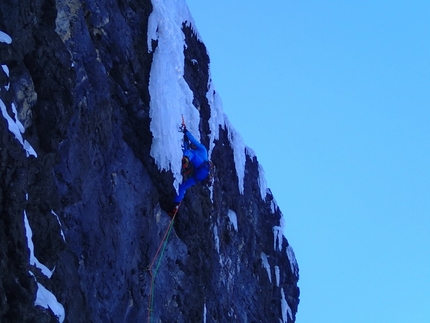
x: 194, y: 141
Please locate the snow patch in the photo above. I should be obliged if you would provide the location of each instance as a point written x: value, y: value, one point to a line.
x: 5, y: 38
x: 233, y: 219
x: 265, y: 262
x: 48, y: 300
x: 33, y: 260
x: 277, y: 238
x: 16, y: 128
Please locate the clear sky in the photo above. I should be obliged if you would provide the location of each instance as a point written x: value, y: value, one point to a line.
x: 334, y: 97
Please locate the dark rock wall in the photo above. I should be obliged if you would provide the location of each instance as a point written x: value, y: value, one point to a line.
x: 79, y: 73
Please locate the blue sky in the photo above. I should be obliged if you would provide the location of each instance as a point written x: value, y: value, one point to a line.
x: 334, y: 97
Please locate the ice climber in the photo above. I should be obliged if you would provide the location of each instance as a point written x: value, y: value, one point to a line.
x: 195, y: 166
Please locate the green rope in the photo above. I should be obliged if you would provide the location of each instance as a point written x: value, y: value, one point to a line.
x: 151, y: 290
x: 164, y: 247
x: 156, y: 271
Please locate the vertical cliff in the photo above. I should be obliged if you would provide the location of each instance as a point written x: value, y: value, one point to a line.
x: 91, y: 94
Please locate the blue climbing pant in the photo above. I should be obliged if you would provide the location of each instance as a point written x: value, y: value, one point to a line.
x: 199, y: 174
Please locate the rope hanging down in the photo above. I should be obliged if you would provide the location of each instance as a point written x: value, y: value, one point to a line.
x: 161, y: 247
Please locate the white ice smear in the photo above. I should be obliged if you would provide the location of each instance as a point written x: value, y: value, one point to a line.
x: 33, y: 260
x: 48, y: 300
x: 18, y: 123
x: 5, y: 38
x: 216, y: 237
x: 238, y: 146
x: 285, y: 308
x: 262, y: 182
x: 217, y: 115
x: 16, y: 127
x: 273, y: 206
x: 277, y: 275
x: 61, y: 227
x: 5, y: 69
x: 233, y: 218
x: 240, y: 150
x: 277, y: 238
x: 265, y: 262
x: 204, y: 313
x: 293, y: 261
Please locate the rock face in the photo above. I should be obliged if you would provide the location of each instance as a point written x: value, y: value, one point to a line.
x: 75, y: 162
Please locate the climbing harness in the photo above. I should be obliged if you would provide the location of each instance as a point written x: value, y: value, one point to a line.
x: 187, y: 169
x: 161, y: 248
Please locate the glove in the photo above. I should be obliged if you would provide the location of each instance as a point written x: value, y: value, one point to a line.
x: 174, y: 210
x: 183, y: 128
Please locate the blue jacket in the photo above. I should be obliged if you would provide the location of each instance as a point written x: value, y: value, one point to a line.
x: 197, y: 157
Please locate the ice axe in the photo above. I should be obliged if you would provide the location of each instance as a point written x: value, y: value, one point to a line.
x: 183, y: 126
